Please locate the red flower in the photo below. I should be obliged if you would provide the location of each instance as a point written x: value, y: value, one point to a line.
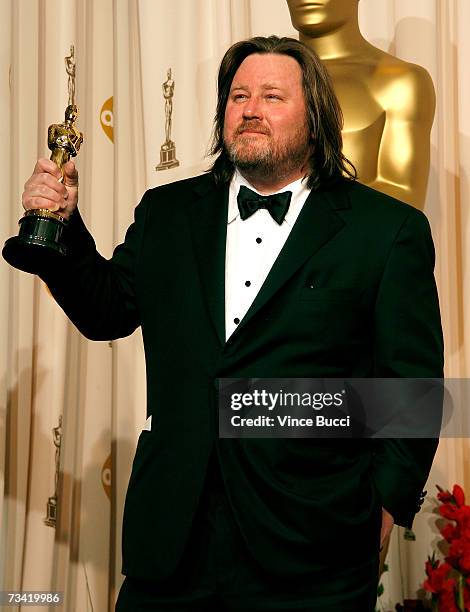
x: 463, y: 515
x: 436, y: 574
x: 458, y: 495
x: 449, y: 532
x: 449, y: 511
x: 466, y: 598
x: 465, y: 562
x: 447, y: 601
x: 444, y: 496
x: 456, y: 551
x: 450, y: 581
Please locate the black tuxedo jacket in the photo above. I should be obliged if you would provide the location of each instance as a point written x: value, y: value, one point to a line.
x: 352, y: 294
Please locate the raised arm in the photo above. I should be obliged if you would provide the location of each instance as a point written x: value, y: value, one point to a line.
x: 98, y: 295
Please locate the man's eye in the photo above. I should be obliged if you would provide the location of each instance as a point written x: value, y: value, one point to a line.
x: 273, y: 97
x: 238, y: 97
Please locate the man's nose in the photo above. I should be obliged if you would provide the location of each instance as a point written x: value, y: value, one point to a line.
x: 252, y: 109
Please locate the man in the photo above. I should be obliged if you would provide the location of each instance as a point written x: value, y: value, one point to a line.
x: 330, y: 280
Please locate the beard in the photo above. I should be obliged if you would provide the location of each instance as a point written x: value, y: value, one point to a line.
x: 264, y: 157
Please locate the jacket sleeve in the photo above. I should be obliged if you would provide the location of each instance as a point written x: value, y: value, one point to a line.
x: 98, y: 295
x: 407, y: 344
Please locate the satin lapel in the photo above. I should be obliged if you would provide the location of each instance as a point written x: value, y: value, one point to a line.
x: 315, y: 226
x: 208, y: 220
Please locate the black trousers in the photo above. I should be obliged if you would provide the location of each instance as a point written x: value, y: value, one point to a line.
x: 217, y: 573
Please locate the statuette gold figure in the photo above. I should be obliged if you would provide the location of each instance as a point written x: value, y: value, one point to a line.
x: 64, y: 140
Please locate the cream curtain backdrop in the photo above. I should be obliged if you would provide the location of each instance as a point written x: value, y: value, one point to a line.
x: 47, y: 370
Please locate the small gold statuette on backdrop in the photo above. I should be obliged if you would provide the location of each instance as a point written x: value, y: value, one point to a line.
x: 168, y: 149
x: 40, y: 238
x: 51, y: 516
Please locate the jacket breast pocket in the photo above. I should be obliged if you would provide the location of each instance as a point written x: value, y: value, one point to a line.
x: 330, y: 294
x: 339, y: 314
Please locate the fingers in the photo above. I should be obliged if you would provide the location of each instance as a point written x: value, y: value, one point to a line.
x: 44, y: 165
x: 70, y: 174
x: 43, y: 190
x: 41, y: 195
x: 38, y: 202
x: 45, y: 185
x: 47, y: 165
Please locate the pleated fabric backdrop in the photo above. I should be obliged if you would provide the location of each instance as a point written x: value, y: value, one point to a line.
x: 93, y: 394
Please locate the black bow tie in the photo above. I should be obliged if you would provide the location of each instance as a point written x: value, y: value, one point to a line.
x: 277, y: 204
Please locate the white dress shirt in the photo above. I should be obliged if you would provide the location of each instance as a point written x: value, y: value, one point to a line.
x: 252, y: 248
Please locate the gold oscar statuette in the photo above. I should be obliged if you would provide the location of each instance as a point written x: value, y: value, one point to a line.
x: 168, y: 149
x: 41, y: 234
x: 51, y: 508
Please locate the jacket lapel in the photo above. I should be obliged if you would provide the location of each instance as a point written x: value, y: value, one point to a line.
x: 208, y: 220
x: 315, y: 226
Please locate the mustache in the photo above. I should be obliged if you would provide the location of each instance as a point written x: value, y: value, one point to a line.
x: 252, y: 126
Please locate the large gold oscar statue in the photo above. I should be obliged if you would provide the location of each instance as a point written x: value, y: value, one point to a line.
x: 388, y: 104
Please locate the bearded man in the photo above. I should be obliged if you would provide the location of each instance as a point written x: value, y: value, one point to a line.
x: 275, y: 263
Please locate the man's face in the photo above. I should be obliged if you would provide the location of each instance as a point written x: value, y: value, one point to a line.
x: 321, y: 16
x: 265, y: 126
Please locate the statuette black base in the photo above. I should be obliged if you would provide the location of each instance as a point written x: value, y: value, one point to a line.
x: 39, y: 242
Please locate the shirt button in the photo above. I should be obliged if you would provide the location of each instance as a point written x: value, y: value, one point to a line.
x: 247, y: 283
x: 236, y: 320
x: 259, y: 240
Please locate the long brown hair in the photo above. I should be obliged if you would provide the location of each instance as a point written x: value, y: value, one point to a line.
x: 327, y: 164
